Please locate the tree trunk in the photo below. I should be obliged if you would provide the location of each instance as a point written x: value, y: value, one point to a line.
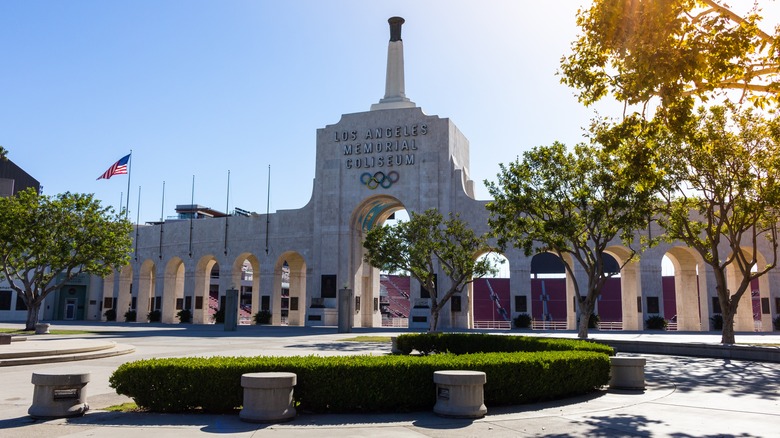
x: 728, y: 306
x: 32, y: 315
x: 582, y: 325
x: 434, y: 318
x: 727, y: 335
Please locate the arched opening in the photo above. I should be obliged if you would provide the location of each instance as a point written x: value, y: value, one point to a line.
x: 202, y: 300
x: 173, y: 290
x: 548, y: 292
x: 751, y: 314
x: 214, y: 301
x: 616, y: 306
x: 395, y: 288
x: 682, y: 291
x: 147, y: 280
x: 246, y: 277
x: 552, y: 290
x: 368, y: 283
x: 490, y: 296
x: 289, y: 290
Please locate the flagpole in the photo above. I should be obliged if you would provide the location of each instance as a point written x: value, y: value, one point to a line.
x: 227, y: 211
x: 192, y: 215
x: 129, y: 172
x: 267, y: 209
x: 137, y: 219
x: 162, y: 211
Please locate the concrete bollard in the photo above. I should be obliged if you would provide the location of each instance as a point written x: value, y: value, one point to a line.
x: 460, y: 394
x: 268, y: 397
x: 42, y: 328
x: 58, y: 395
x: 627, y: 372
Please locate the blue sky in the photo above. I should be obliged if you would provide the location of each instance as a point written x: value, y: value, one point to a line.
x: 200, y: 88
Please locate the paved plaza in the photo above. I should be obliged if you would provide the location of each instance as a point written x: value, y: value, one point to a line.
x: 685, y: 397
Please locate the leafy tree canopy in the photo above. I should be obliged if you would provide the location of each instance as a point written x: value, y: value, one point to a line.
x: 674, y: 50
x: 46, y: 241
x: 573, y: 204
x: 422, y: 244
x: 723, y: 197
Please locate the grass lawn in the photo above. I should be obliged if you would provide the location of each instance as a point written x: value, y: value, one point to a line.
x: 51, y: 332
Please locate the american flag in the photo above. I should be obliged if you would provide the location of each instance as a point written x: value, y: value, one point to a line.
x: 118, y: 168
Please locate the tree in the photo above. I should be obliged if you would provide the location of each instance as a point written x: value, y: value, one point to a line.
x: 47, y: 241
x: 573, y: 204
x: 672, y: 50
x: 723, y: 198
x: 417, y: 245
x: 669, y: 60
x: 3, y: 154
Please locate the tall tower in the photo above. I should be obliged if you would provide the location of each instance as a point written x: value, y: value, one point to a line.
x: 395, y: 96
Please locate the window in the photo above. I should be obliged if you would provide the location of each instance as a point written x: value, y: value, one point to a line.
x: 328, y: 287
x: 265, y: 302
x: 521, y: 303
x: 653, y: 305
x: 5, y: 299
x: 455, y: 305
x: 715, y: 305
x: 20, y: 303
x: 425, y: 293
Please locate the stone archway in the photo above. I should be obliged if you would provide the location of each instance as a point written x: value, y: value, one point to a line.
x: 364, y: 279
x: 147, y: 280
x: 688, y: 285
x: 630, y: 285
x: 489, y: 297
x: 246, y: 277
x: 289, y: 293
x: 200, y: 312
x: 173, y: 290
x: 745, y: 319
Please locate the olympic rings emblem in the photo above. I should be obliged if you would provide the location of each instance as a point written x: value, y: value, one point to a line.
x: 379, y: 179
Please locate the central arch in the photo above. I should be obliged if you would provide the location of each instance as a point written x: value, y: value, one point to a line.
x: 365, y: 279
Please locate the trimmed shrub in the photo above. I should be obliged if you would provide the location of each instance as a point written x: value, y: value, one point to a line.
x: 130, y: 316
x: 593, y: 321
x: 219, y: 316
x: 110, y: 314
x: 184, y: 315
x: 464, y: 343
x: 522, y: 321
x: 154, y: 316
x: 656, y: 322
x: 358, y: 383
x: 263, y: 317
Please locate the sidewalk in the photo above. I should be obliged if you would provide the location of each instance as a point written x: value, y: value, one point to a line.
x: 685, y: 396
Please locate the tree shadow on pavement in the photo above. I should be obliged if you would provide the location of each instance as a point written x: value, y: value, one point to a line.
x: 723, y: 376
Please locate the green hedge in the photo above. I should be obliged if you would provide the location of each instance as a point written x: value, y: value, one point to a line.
x: 358, y: 383
x: 464, y: 343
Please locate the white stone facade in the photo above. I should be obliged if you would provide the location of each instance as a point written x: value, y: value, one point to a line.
x: 369, y: 165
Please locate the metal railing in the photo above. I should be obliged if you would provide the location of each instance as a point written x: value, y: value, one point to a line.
x: 610, y: 325
x: 496, y: 325
x: 548, y: 325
